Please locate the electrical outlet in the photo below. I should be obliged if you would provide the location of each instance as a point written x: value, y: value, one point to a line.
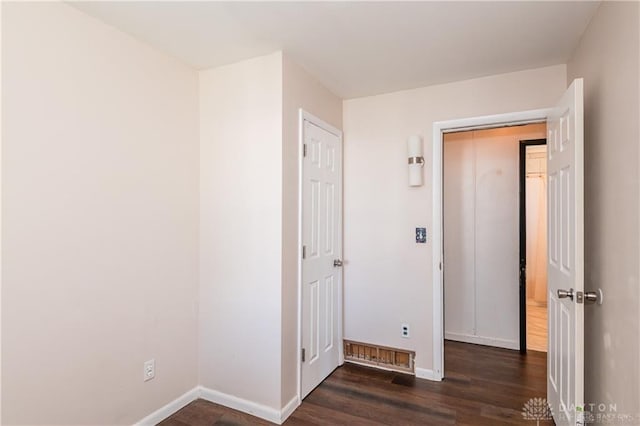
x: 405, y: 331
x: 149, y: 369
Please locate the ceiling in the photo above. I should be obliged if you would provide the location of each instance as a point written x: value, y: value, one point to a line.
x: 361, y: 48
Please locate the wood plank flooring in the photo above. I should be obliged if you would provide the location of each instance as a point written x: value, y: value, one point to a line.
x: 482, y: 386
x: 536, y: 327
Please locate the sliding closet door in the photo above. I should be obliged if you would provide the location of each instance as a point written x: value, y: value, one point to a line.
x: 459, y: 236
x: 497, y: 237
x: 481, y: 234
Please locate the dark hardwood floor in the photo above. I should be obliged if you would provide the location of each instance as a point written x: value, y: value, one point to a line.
x: 482, y: 386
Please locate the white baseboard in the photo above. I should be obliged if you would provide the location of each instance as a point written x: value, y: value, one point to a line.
x: 424, y: 373
x: 479, y: 340
x: 230, y: 401
x: 288, y: 409
x: 244, y: 405
x: 166, y: 411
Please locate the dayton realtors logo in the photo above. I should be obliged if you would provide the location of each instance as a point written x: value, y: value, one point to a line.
x: 537, y: 409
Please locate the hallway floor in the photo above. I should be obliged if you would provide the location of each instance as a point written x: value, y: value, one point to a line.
x: 482, y: 386
x: 536, y: 327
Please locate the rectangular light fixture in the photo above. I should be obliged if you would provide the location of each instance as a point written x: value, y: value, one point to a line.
x: 415, y: 161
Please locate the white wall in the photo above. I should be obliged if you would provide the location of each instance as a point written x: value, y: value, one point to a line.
x: 300, y: 90
x: 249, y: 224
x: 103, y: 195
x: 100, y: 220
x: 241, y: 229
x: 481, y: 234
x: 1, y: 220
x: 608, y: 59
x: 388, y: 275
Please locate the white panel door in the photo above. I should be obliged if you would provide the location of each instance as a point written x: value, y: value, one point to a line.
x: 322, y: 254
x: 565, y: 358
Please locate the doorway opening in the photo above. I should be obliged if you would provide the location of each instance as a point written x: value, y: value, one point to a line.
x: 533, y: 245
x: 566, y: 295
x: 440, y: 129
x: 482, y: 288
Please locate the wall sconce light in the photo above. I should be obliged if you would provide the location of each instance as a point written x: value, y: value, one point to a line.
x: 416, y: 160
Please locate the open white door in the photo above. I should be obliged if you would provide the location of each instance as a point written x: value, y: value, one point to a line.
x: 322, y: 252
x: 565, y: 357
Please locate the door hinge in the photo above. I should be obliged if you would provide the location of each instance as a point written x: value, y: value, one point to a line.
x: 304, y: 352
x: 304, y: 252
x: 304, y: 150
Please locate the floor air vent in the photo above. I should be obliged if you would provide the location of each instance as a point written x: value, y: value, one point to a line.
x: 379, y: 356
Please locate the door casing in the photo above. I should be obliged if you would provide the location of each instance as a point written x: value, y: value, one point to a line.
x: 439, y: 129
x: 523, y: 238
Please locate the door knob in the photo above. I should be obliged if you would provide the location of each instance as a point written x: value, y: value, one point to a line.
x: 591, y: 297
x: 337, y: 262
x: 563, y: 294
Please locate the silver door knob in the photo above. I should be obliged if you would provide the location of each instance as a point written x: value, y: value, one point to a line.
x: 593, y: 297
x: 590, y: 297
x: 563, y: 294
x: 337, y: 262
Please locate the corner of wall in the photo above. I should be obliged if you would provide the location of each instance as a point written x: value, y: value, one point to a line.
x: 241, y: 230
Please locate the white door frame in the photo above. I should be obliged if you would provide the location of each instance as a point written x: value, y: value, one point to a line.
x: 302, y: 116
x: 439, y: 129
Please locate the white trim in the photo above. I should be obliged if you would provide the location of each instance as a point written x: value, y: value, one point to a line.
x: 1, y: 275
x: 246, y: 406
x: 424, y: 373
x: 229, y: 401
x: 288, y: 409
x: 480, y: 340
x: 438, y: 255
x: 493, y: 121
x: 302, y: 116
x: 169, y: 409
x: 439, y: 128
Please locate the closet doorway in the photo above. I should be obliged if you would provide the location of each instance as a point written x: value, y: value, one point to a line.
x: 483, y: 293
x: 533, y: 245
